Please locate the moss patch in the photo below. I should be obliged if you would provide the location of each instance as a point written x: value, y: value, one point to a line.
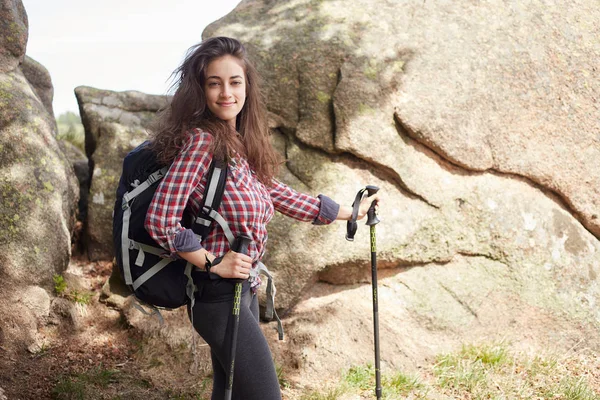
x: 323, y: 97
x: 13, y: 205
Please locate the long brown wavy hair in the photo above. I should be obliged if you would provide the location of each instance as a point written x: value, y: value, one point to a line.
x: 188, y: 110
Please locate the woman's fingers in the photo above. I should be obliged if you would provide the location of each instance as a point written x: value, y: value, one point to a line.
x: 373, y: 198
x: 242, y: 264
x: 366, y: 204
x: 241, y: 257
x: 235, y: 265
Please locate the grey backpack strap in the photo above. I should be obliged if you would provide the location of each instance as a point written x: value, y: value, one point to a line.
x: 142, y: 250
x: 125, y: 241
x: 220, y: 220
x: 190, y: 290
x: 137, y: 304
x: 270, y: 310
x: 213, y: 194
x: 156, y: 176
x: 151, y: 272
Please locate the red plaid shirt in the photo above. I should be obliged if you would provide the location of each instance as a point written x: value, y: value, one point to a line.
x: 247, y: 204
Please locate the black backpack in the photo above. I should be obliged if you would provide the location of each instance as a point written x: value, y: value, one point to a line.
x: 155, y: 279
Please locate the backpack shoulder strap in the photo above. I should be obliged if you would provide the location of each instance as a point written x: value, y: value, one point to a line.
x: 217, y: 177
x: 213, y: 194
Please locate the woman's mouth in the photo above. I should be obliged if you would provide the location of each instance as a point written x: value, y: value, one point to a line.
x: 226, y: 104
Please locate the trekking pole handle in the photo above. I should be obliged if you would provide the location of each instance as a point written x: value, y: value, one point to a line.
x: 371, y: 213
x: 240, y: 244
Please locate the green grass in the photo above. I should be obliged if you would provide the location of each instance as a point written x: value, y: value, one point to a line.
x: 68, y: 389
x: 71, y: 130
x: 281, y: 378
x: 62, y: 290
x: 571, y: 389
x: 488, y: 371
x: 400, y: 385
x: 360, y: 380
x: 360, y: 377
x: 60, y: 286
x: 78, y: 386
x: 100, y: 376
x: 329, y: 394
x: 467, y: 369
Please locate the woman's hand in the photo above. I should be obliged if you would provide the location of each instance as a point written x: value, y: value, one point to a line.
x: 365, y: 203
x: 233, y: 265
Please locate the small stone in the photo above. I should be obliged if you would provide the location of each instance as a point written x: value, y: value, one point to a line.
x: 34, y: 348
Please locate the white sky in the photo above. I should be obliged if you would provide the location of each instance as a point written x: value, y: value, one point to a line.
x: 115, y: 44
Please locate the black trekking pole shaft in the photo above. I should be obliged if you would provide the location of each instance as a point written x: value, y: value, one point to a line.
x: 240, y: 245
x: 375, y: 312
x: 372, y: 220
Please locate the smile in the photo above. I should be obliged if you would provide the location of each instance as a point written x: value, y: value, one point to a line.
x: 226, y: 104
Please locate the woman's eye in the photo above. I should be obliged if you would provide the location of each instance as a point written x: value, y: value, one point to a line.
x: 212, y: 84
x: 237, y: 83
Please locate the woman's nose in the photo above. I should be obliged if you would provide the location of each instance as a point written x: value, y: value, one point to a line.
x: 225, y: 90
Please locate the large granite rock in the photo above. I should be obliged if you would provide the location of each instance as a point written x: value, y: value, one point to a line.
x: 480, y: 124
x: 14, y: 27
x: 504, y: 87
x: 38, y: 191
x: 383, y: 97
x: 39, y: 78
x: 114, y: 122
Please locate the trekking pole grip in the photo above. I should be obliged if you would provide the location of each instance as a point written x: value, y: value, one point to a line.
x: 240, y: 244
x: 372, y: 218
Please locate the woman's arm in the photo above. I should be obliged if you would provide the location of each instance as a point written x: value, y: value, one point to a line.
x: 320, y: 210
x: 163, y: 219
x: 231, y: 265
x: 345, y: 212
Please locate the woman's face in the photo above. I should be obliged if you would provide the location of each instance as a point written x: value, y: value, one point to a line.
x: 225, y: 88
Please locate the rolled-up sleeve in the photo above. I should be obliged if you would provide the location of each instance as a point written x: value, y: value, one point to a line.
x: 319, y: 210
x: 163, y: 220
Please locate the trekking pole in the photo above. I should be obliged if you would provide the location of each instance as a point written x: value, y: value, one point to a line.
x: 240, y: 245
x: 372, y: 220
x: 351, y: 228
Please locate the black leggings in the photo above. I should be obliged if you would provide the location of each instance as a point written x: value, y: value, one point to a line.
x: 254, y: 376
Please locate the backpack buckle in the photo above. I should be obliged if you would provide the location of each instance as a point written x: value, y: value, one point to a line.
x: 155, y: 177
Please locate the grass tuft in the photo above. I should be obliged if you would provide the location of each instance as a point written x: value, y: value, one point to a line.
x: 60, y: 286
x: 576, y: 389
x: 360, y: 377
x: 68, y: 389
x: 401, y: 385
x: 79, y: 386
x: 284, y: 383
x: 330, y: 394
x: 62, y: 290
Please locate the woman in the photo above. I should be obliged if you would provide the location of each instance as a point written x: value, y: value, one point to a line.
x: 217, y: 111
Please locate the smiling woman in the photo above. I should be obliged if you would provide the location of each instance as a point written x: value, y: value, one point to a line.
x: 225, y: 88
x: 217, y: 113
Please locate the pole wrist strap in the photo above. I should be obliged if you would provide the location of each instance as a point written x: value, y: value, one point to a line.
x: 352, y: 225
